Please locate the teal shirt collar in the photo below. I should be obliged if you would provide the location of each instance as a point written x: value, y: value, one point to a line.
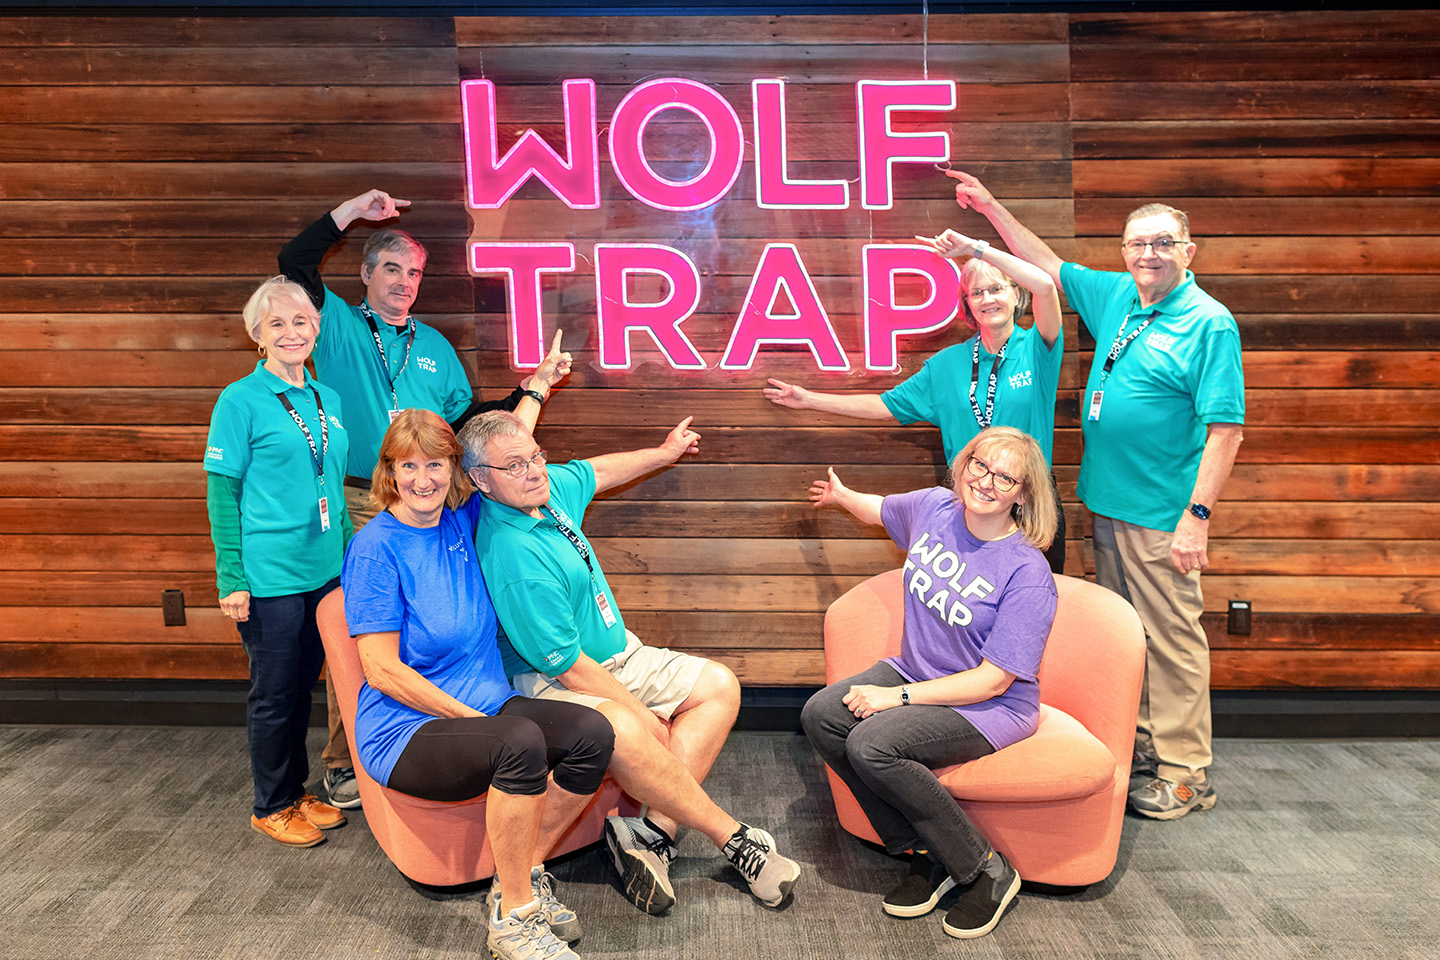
x: 497, y: 512
x: 1175, y: 302
x: 275, y: 384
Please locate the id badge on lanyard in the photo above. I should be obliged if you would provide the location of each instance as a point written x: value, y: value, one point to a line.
x: 324, y: 514
x: 1095, y: 398
x: 603, y: 605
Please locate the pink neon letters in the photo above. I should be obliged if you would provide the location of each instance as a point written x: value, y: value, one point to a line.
x: 614, y: 265
x: 884, y: 318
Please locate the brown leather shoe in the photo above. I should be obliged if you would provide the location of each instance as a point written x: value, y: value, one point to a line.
x: 319, y: 813
x: 289, y: 827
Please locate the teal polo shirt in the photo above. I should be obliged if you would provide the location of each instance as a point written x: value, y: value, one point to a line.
x: 1024, y: 393
x: 254, y: 440
x: 1183, y: 373
x: 345, y: 356
x: 541, y: 588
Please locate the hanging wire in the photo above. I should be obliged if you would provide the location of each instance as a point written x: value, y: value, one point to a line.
x: 925, y: 36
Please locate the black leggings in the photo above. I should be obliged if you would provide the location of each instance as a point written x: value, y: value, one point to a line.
x: 460, y: 758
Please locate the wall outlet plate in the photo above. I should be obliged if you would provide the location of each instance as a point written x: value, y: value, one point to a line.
x: 1239, y: 620
x: 172, y: 604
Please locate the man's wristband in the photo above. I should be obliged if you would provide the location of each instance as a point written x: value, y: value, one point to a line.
x: 533, y: 395
x: 1199, y: 511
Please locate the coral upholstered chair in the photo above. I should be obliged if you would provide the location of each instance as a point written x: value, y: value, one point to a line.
x: 1054, y: 802
x: 432, y: 843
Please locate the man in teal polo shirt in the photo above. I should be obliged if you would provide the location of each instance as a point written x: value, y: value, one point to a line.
x: 1162, y: 414
x: 567, y: 641
x: 381, y: 360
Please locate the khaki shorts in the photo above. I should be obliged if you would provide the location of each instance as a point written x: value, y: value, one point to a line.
x: 660, y: 678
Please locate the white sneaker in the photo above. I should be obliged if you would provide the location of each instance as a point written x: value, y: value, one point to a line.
x: 642, y: 857
x: 771, y: 876
x: 514, y: 938
x: 562, y: 920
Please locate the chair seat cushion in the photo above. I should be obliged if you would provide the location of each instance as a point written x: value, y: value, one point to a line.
x: 1060, y: 761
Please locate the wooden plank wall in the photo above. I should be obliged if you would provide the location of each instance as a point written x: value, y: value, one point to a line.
x: 151, y: 167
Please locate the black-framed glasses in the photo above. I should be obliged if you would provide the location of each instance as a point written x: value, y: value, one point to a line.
x: 979, y: 469
x: 1161, y: 245
x: 994, y: 291
x: 518, y: 468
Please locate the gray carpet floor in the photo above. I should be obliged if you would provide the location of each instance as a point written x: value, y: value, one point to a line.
x: 131, y: 842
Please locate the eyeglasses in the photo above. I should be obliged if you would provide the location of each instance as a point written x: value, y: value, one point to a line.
x: 994, y: 291
x: 519, y: 468
x: 978, y: 469
x: 1162, y: 245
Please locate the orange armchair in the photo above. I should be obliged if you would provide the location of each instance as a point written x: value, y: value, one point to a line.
x: 433, y: 843
x: 1054, y: 802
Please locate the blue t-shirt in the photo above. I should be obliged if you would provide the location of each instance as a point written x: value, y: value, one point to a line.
x: 968, y: 599
x: 1183, y: 372
x: 346, y: 357
x: 939, y: 392
x: 254, y: 439
x: 543, y: 591
x: 426, y: 584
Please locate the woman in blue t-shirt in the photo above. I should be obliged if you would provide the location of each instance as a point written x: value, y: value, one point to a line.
x: 1002, y: 375
x: 979, y: 602
x: 436, y: 717
x: 274, y: 462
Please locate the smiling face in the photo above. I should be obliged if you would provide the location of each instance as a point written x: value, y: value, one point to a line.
x: 1156, y: 271
x: 288, y: 329
x: 392, y: 285
x: 979, y: 482
x: 422, y: 483
x: 991, y: 300
x: 526, y: 493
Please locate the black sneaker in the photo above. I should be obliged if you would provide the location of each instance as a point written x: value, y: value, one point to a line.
x: 642, y: 857
x: 918, y: 893
x: 983, y: 902
x: 341, y: 788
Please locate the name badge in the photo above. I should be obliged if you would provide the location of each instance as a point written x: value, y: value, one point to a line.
x: 324, y: 514
x: 1095, y: 404
x: 606, y: 613
x: 393, y: 415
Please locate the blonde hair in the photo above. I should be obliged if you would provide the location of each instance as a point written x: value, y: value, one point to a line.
x: 1034, y: 510
x: 969, y: 272
x: 417, y: 433
x: 278, y: 287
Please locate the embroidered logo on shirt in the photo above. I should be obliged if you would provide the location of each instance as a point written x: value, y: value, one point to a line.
x: 1019, y: 380
x: 1160, y: 341
x: 214, y: 453
x: 427, y: 364
x: 460, y: 545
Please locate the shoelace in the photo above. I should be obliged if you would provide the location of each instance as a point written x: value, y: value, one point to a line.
x: 656, y: 844
x: 545, y: 892
x: 536, y: 930
x: 749, y: 856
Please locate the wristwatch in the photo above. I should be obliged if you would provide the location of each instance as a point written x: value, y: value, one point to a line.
x: 905, y: 696
x: 1199, y: 511
x: 535, y: 395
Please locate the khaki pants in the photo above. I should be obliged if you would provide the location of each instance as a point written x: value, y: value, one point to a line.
x: 337, y: 749
x: 1174, y: 721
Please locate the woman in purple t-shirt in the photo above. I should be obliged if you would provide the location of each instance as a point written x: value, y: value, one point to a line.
x: 979, y: 602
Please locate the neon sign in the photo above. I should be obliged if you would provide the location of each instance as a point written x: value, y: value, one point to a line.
x: 779, y: 273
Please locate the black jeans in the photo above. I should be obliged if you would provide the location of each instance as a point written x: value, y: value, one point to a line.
x: 457, y: 758
x: 886, y: 761
x: 1055, y: 556
x: 283, y: 644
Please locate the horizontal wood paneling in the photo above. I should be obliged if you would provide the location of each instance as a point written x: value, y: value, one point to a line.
x: 151, y: 167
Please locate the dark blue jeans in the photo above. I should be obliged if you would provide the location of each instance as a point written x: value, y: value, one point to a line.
x: 283, y: 644
x: 886, y: 761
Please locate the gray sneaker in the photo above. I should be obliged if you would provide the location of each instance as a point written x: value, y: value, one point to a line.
x: 341, y: 788
x: 642, y: 857
x: 511, y: 938
x: 771, y: 876
x: 562, y: 920
x: 1166, y: 800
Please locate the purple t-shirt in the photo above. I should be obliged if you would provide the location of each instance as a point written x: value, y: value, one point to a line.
x: 968, y: 600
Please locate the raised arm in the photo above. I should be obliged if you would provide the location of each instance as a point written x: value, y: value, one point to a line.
x: 865, y: 507
x: 554, y: 368
x: 865, y: 406
x: 300, y: 259
x: 970, y: 193
x: 1192, y: 535
x: 614, y: 469
x: 1044, y: 297
x: 387, y: 673
x: 372, y: 205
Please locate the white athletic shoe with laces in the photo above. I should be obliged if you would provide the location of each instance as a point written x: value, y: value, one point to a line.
x: 771, y: 876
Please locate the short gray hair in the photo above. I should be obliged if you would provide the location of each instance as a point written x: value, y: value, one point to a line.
x: 1155, y: 210
x: 278, y: 287
x: 384, y: 241
x: 476, y: 435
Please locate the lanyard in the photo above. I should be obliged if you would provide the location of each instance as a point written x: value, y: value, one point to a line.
x: 575, y: 541
x: 384, y: 360
x: 983, y: 418
x: 1118, y: 347
x: 317, y: 455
